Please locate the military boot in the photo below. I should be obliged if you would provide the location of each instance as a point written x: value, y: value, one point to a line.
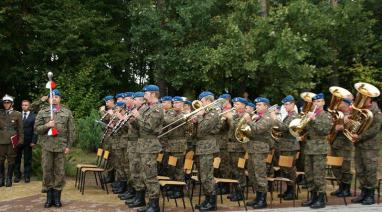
x: 320, y: 202
x: 345, y: 191
x: 289, y: 193
x: 359, y: 198
x: 57, y: 198
x: 139, y: 200
x: 338, y: 191
x: 206, y: 200
x: 369, y: 197
x: 254, y: 202
x: 262, y: 202
x: 153, y: 206
x: 312, y: 199
x: 129, y: 194
x: 8, y: 181
x: 210, y: 205
x: 49, y: 198
x: 110, y: 177
x: 122, y: 188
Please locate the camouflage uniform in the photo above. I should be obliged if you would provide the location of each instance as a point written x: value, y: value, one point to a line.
x: 316, y: 150
x: 367, y: 152
x: 206, y: 146
x: 53, y: 158
x: 149, y: 123
x: 118, y: 147
x: 222, y: 141
x: 288, y: 145
x: 135, y: 169
x: 258, y: 149
x: 176, y: 145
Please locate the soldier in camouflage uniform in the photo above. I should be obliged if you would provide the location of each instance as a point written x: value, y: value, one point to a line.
x: 176, y: 145
x: 135, y: 168
x: 343, y: 147
x: 54, y: 148
x: 149, y: 120
x: 367, y: 147
x: 11, y: 124
x: 288, y: 145
x: 258, y: 149
x: 316, y: 150
x: 167, y: 107
x: 206, y: 147
x: 235, y: 149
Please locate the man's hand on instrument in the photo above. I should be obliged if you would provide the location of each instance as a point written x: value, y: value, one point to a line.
x: 50, y: 124
x: 339, y: 127
x: 247, y: 118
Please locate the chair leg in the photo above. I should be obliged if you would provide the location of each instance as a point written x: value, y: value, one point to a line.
x: 105, y: 184
x: 295, y: 193
x: 200, y: 192
x: 221, y: 193
x: 101, y: 181
x: 355, y: 185
x: 75, y: 183
x: 83, y: 187
x: 184, y: 204
x: 95, y: 177
x: 164, y: 199
x: 176, y: 202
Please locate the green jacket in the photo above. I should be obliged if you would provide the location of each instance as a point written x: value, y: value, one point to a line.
x: 260, y: 139
x: 176, y: 140
x: 233, y: 145
x: 11, y: 124
x: 287, y: 142
x: 369, y: 139
x: 64, y: 122
x: 207, y: 128
x: 318, y: 129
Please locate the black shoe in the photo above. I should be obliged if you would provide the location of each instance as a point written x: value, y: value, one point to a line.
x: 57, y: 198
x: 290, y: 196
x: 176, y: 193
x: 122, y: 188
x: 17, y: 179
x: 345, y: 191
x: 359, y: 198
x: 8, y: 181
x: 49, y: 198
x: 44, y: 190
x: 312, y: 199
x: 210, y: 205
x: 320, y: 202
x: 27, y: 179
x: 369, y: 197
x: 153, y: 206
x: 338, y: 191
x: 262, y: 202
x: 2, y: 175
x: 129, y: 194
x: 254, y: 202
x: 237, y: 196
x: 206, y: 200
x: 139, y: 200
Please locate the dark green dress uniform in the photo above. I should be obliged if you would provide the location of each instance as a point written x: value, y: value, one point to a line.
x: 11, y: 124
x: 366, y: 158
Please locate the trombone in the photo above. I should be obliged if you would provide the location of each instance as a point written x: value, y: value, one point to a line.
x: 197, y: 105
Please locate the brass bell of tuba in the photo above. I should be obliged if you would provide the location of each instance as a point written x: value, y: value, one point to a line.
x: 338, y: 94
x: 242, y: 131
x: 360, y: 119
x: 297, y: 126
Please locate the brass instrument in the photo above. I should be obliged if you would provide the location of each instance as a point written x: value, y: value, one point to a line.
x: 242, y: 131
x: 338, y: 94
x: 198, y: 106
x: 360, y: 119
x: 297, y: 126
x: 227, y: 111
x: 276, y: 133
x: 109, y: 127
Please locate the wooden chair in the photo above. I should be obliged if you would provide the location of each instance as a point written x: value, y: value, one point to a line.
x: 336, y: 162
x: 188, y: 163
x: 98, y: 171
x: 159, y: 160
x: 379, y: 188
x: 284, y: 162
x: 97, y: 164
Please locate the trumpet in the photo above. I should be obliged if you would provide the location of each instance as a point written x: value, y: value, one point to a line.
x: 197, y: 105
x: 123, y: 121
x: 108, y: 128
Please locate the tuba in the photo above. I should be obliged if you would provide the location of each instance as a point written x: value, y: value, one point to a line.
x: 297, y: 126
x: 242, y: 131
x: 338, y: 94
x: 360, y: 119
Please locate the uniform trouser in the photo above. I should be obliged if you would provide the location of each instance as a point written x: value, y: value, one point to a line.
x: 7, y: 153
x: 257, y: 171
x: 149, y: 173
x: 224, y: 169
x: 234, y: 171
x: 300, y: 163
x: 175, y: 173
x: 289, y: 173
x: 315, y: 172
x: 206, y: 170
x: 135, y: 179
x: 119, y: 163
x: 343, y: 173
x: 366, y: 167
x: 53, y: 169
x: 25, y: 149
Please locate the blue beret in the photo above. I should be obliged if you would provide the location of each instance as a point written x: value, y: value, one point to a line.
x: 288, y: 98
x: 318, y: 96
x: 166, y: 98
x: 204, y: 94
x: 239, y: 99
x: 178, y: 99
x: 250, y: 104
x: 347, y: 101
x: 55, y: 92
x: 150, y: 88
x: 262, y: 99
x: 225, y: 96
x: 119, y: 95
x: 188, y: 102
x: 129, y: 94
x: 107, y: 98
x: 120, y: 104
x: 138, y: 94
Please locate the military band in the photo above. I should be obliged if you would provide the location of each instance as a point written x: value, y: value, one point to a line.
x: 140, y: 125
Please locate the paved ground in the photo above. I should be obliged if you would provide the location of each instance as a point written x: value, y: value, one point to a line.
x: 27, y: 197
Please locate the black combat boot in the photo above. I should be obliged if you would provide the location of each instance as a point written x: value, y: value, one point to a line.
x: 49, y: 198
x: 115, y: 186
x: 210, y: 205
x: 110, y: 177
x: 153, y: 206
x: 345, y: 191
x: 289, y: 193
x: 338, y: 191
x: 8, y: 181
x: 254, y: 202
x: 320, y: 202
x: 129, y: 194
x: 262, y: 202
x: 359, y: 198
x: 206, y: 200
x: 57, y: 198
x: 369, y: 197
x: 139, y: 200
x: 122, y: 188
x: 2, y: 175
x: 237, y: 195
x: 312, y: 199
